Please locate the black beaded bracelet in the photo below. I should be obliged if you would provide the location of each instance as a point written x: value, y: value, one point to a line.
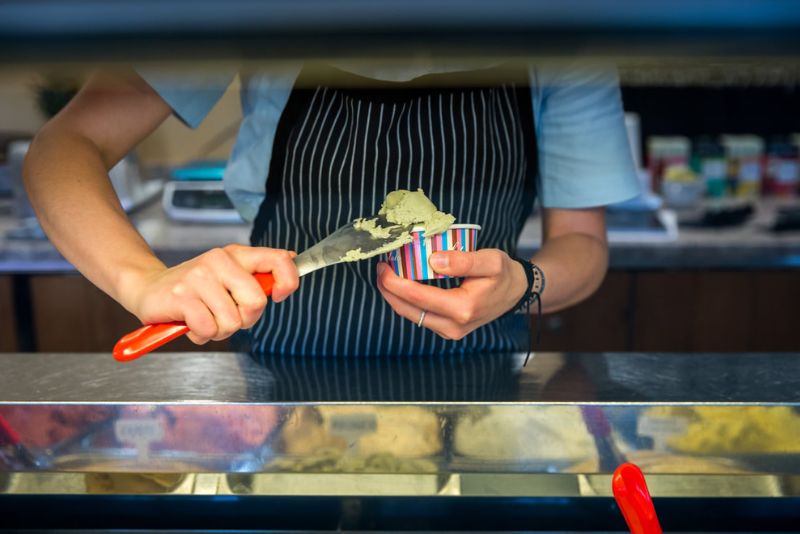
x: 536, y: 282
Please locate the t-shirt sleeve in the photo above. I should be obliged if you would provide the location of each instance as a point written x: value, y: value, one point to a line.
x: 584, y: 155
x: 191, y: 95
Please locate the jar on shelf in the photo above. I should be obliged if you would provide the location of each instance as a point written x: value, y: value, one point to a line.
x: 664, y: 152
x: 744, y: 154
x: 782, y: 168
x: 708, y: 161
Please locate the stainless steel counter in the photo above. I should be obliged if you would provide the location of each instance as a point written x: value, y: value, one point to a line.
x: 440, y: 422
x: 190, y: 425
x: 613, y: 379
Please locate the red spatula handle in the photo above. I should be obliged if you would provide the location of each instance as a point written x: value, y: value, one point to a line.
x: 633, y: 498
x: 151, y: 336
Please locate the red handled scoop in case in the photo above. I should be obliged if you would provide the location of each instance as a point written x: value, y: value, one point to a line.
x: 633, y: 498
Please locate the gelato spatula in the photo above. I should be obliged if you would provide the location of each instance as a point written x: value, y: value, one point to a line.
x: 352, y: 242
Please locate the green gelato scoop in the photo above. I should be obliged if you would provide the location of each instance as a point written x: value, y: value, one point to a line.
x: 405, y: 207
x: 402, y: 208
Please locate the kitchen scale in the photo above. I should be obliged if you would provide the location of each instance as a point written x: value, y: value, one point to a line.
x: 195, y: 193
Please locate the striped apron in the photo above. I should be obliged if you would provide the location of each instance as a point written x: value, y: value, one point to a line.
x: 339, y: 151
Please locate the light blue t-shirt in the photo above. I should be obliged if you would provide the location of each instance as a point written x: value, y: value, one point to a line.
x: 584, y: 155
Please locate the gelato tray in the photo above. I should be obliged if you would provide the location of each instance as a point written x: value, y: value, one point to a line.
x: 450, y: 416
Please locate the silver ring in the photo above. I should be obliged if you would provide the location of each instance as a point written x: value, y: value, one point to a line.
x: 421, y: 318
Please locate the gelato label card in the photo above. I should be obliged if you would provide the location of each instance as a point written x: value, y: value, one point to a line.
x: 353, y: 425
x: 140, y: 433
x: 661, y: 428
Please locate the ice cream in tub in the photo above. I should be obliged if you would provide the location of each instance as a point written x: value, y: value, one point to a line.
x: 434, y: 231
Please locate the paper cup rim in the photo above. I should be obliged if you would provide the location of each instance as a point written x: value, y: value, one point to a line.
x: 418, y: 229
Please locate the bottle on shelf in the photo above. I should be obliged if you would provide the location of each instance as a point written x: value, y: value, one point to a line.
x: 708, y: 161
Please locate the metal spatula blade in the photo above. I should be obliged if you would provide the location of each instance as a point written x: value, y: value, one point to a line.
x: 333, y: 248
x: 329, y: 251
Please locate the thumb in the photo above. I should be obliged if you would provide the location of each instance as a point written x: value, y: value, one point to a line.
x: 455, y: 263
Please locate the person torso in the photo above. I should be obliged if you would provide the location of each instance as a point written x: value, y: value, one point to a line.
x: 339, y: 151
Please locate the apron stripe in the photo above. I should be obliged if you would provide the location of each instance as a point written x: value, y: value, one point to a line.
x: 282, y: 324
x: 348, y: 328
x: 377, y: 136
x: 464, y: 152
x: 301, y: 240
x: 332, y: 336
x: 386, y: 317
x: 359, y: 330
x: 305, y: 331
x: 324, y: 275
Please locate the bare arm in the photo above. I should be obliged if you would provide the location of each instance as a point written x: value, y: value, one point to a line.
x: 573, y: 257
x: 66, y: 175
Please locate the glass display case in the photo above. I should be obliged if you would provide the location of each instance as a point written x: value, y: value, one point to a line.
x: 439, y: 432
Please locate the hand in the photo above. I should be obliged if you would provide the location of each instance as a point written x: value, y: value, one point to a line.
x: 215, y: 293
x: 493, y: 284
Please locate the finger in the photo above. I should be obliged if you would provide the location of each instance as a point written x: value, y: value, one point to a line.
x: 445, y: 302
x: 242, y: 286
x: 200, y: 320
x: 197, y: 340
x: 269, y: 260
x: 486, y: 262
x: 444, y: 326
x: 218, y: 301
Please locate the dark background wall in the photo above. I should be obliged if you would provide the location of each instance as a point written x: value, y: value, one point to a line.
x: 695, y: 111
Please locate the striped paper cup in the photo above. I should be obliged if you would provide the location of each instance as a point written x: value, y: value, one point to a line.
x: 411, y: 260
